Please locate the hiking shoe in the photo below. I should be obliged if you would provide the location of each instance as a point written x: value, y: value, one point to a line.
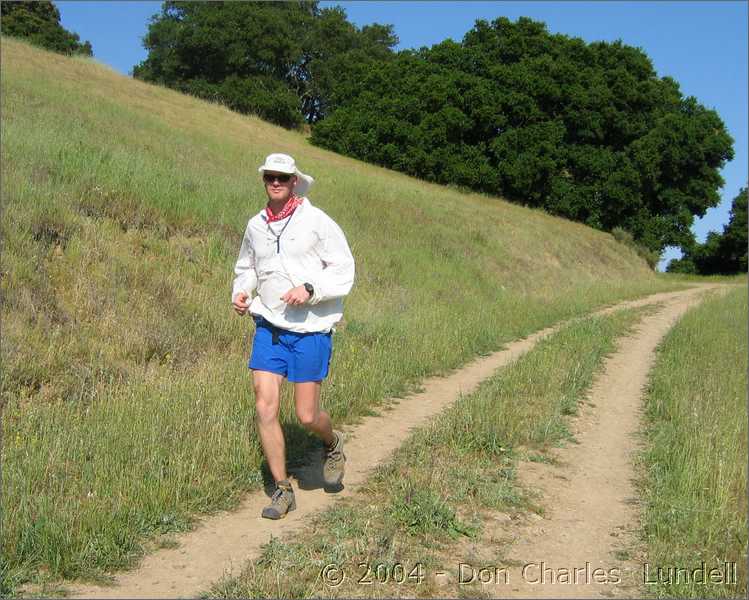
x: 281, y: 502
x: 335, y: 459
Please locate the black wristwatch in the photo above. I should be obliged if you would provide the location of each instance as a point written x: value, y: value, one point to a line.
x: 310, y: 289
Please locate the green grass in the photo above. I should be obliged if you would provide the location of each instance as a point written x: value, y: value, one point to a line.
x: 695, y: 479
x: 127, y: 407
x: 443, y: 483
x: 688, y: 277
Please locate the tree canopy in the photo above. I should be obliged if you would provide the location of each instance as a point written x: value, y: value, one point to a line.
x: 721, y: 254
x: 273, y: 59
x: 39, y: 22
x: 585, y: 131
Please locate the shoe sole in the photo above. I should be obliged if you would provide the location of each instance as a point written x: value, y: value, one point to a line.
x: 283, y: 516
x: 338, y: 481
x: 278, y: 518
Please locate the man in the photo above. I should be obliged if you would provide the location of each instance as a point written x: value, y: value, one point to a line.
x: 298, y: 260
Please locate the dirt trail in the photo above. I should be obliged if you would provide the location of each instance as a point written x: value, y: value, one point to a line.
x: 222, y: 543
x: 586, y: 544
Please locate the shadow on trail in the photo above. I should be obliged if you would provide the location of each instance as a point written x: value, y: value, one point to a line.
x: 304, y: 460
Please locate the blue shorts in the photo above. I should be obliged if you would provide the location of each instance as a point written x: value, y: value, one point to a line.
x: 300, y: 357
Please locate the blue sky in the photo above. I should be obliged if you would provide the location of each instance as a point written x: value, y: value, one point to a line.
x: 703, y: 45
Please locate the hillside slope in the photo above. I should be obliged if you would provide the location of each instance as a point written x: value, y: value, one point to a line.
x: 127, y: 405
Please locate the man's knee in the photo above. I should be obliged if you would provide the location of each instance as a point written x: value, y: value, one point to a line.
x: 266, y: 412
x: 307, y: 416
x: 267, y: 401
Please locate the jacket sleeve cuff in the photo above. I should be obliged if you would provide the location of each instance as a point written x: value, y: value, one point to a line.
x: 245, y: 283
x: 315, y: 298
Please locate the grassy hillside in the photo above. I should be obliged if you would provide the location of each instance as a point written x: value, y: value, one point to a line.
x: 127, y: 401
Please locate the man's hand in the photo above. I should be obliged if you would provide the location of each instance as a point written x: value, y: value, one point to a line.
x: 296, y: 296
x: 240, y: 303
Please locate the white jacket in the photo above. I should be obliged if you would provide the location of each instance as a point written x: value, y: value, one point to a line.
x: 312, y: 249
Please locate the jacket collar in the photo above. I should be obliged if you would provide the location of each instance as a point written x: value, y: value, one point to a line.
x: 305, y: 202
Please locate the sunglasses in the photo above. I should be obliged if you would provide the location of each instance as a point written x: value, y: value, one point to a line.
x: 283, y: 178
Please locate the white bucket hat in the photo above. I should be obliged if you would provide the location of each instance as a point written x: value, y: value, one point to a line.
x: 283, y: 163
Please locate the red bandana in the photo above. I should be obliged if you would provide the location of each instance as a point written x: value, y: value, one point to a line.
x: 291, y: 205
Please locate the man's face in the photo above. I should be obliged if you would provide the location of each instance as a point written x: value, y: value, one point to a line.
x: 275, y: 186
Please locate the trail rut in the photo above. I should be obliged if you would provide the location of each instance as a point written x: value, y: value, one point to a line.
x: 586, y: 544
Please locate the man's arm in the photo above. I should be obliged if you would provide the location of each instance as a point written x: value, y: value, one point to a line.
x: 337, y: 278
x: 245, y: 280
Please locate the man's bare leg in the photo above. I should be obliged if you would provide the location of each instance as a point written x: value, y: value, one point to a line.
x: 307, y: 401
x: 267, y: 403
